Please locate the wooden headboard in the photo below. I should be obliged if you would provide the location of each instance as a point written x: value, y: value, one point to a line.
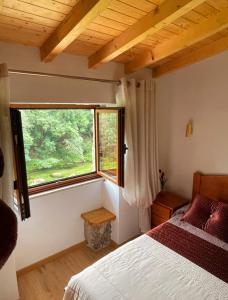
x: 211, y: 186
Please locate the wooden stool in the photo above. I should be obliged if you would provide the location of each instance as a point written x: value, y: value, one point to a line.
x: 97, y: 227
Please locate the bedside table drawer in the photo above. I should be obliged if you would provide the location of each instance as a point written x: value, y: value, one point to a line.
x: 160, y: 211
x: 156, y: 220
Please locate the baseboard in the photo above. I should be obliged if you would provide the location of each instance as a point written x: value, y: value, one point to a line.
x: 54, y: 257
x: 49, y: 259
x: 114, y: 244
x: 131, y: 239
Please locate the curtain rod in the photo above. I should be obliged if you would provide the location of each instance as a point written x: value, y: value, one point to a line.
x: 13, y: 71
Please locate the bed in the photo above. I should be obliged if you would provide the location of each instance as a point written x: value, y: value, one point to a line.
x: 175, y: 260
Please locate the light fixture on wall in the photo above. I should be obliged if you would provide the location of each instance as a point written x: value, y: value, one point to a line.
x: 189, y: 129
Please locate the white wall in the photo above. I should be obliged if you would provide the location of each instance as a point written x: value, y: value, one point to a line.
x: 110, y: 200
x: 42, y: 89
x: 198, y: 92
x: 26, y: 88
x: 128, y: 220
x: 55, y: 222
x: 126, y: 225
x: 8, y: 281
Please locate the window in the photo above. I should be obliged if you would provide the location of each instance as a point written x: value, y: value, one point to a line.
x: 110, y: 141
x: 58, y: 146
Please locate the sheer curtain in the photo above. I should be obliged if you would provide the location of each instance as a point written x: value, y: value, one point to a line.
x: 6, y: 181
x: 141, y: 163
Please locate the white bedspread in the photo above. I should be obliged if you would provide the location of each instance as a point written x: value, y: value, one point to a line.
x: 144, y: 269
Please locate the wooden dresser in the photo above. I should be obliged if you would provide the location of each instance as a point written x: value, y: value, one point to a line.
x: 164, y: 206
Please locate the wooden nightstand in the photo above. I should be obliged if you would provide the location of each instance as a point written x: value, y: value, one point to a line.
x: 164, y: 206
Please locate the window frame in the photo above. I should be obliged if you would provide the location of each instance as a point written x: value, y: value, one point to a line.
x: 120, y: 144
x: 20, y: 177
x: 39, y: 188
x: 89, y: 176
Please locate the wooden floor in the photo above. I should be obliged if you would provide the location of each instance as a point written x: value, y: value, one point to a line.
x: 48, y: 281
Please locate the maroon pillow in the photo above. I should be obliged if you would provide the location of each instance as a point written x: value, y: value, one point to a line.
x: 200, y: 211
x: 217, y: 224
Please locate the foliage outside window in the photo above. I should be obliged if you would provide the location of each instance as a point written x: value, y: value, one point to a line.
x: 110, y: 144
x: 59, y: 143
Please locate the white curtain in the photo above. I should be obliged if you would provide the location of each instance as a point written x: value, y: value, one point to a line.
x: 141, y: 164
x: 6, y: 181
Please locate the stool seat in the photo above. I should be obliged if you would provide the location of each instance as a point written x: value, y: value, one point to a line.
x: 97, y: 227
x: 98, y: 216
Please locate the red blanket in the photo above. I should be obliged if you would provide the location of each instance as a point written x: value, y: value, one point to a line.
x: 206, y: 255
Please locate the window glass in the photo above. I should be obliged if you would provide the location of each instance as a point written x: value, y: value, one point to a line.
x: 59, y: 143
x: 108, y: 143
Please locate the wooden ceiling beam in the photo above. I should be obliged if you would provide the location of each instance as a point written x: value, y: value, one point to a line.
x: 188, y: 38
x: 169, y: 11
x: 81, y: 15
x: 194, y: 56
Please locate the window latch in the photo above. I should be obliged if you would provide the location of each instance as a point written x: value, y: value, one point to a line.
x: 15, y: 185
x: 125, y: 148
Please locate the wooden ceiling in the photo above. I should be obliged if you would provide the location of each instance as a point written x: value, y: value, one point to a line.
x: 161, y: 34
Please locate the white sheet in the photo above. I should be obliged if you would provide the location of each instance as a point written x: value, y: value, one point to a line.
x: 144, y: 269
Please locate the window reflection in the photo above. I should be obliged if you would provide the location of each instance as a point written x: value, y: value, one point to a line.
x: 108, y: 143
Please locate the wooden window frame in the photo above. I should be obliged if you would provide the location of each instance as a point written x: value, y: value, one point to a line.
x: 62, y: 183
x: 120, y: 144
x: 52, y: 106
x: 20, y: 183
x: 68, y: 180
x: 85, y: 177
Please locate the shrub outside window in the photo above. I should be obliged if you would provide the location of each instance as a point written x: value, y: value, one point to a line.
x: 59, y: 143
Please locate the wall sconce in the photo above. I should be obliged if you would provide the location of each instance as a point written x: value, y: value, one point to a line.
x: 189, y: 129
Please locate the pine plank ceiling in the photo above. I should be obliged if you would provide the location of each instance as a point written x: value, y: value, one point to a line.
x: 161, y: 34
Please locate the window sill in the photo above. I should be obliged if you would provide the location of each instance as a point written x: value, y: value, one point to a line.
x: 61, y: 183
x: 67, y: 187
